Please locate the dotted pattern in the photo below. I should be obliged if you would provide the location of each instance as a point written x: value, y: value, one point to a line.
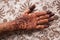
x: 10, y: 9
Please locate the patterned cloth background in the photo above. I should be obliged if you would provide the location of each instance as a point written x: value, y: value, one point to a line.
x: 10, y: 9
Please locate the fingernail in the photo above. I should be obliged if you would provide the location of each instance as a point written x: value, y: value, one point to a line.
x: 32, y: 8
x: 50, y: 19
x: 46, y: 26
x: 49, y: 12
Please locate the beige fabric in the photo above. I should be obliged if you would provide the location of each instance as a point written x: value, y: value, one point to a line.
x: 10, y: 9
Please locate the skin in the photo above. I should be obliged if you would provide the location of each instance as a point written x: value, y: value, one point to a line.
x: 29, y: 21
x: 35, y: 20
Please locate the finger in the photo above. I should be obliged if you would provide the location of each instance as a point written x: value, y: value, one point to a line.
x: 43, y: 13
x: 40, y: 13
x: 43, y: 17
x: 41, y: 26
x: 26, y: 11
x: 43, y: 21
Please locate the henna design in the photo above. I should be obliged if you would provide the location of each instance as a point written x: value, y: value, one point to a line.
x: 29, y: 20
x: 1, y: 13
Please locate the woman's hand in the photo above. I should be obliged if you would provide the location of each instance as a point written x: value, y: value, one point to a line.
x: 35, y: 20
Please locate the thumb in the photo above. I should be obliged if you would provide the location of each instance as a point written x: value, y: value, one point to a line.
x: 27, y: 11
x: 30, y: 9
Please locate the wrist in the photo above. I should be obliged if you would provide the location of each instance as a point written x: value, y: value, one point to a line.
x: 21, y: 23
x: 9, y: 26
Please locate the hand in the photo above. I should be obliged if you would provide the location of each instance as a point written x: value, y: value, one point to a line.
x: 36, y: 20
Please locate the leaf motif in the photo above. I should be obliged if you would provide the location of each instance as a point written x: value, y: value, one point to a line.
x: 1, y: 13
x: 58, y: 3
x: 25, y: 5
